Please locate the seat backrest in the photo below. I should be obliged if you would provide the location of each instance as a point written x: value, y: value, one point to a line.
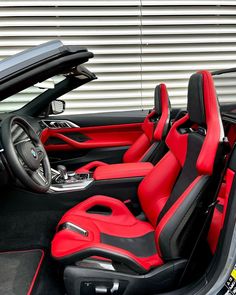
x: 155, y: 127
x: 170, y: 193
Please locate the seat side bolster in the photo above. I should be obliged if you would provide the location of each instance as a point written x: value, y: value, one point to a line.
x: 117, y: 207
x: 169, y: 232
x: 113, y: 253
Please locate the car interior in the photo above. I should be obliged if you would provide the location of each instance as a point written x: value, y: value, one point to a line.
x: 134, y: 202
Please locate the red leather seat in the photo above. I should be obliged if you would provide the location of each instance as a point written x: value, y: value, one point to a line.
x: 155, y: 127
x: 168, y: 195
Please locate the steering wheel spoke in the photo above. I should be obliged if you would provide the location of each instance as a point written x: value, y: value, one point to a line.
x: 38, y: 177
x: 22, y: 162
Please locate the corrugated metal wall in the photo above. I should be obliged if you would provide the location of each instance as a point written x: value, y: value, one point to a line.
x: 137, y: 44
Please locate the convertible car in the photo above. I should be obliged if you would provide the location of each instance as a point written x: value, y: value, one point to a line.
x: 138, y: 202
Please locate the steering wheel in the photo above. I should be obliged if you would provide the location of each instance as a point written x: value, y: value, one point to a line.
x: 27, y: 158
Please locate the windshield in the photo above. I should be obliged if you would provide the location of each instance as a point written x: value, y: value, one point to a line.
x: 225, y: 85
x: 19, y: 100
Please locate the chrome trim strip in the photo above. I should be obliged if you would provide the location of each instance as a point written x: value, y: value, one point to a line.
x: 69, y: 225
x: 101, y: 290
x: 115, y: 287
x: 96, y: 264
x: 71, y: 187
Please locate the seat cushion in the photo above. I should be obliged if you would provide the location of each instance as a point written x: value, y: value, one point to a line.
x: 117, y: 235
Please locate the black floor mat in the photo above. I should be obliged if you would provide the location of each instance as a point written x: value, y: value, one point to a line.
x: 29, y: 221
x: 50, y: 278
x: 18, y: 271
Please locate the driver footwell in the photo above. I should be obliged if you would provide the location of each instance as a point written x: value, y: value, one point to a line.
x: 25, y: 225
x: 28, y: 272
x: 19, y: 271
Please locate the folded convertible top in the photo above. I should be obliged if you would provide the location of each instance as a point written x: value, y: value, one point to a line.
x: 37, y: 64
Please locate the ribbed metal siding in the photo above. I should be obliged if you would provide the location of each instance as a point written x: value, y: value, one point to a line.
x: 137, y: 44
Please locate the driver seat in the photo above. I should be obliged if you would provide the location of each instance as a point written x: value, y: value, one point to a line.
x: 169, y: 196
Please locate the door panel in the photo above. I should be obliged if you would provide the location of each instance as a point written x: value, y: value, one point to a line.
x: 101, y: 137
x: 65, y: 139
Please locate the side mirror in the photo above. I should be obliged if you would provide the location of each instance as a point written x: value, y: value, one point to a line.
x: 57, y: 107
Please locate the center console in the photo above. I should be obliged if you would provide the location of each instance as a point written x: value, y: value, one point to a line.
x: 63, y: 180
x: 67, y: 181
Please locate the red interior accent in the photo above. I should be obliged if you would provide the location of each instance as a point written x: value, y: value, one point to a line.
x: 219, y: 217
x: 124, y: 170
x: 120, y: 221
x: 100, y: 136
x: 44, y: 135
x: 177, y: 142
x: 222, y: 190
x: 232, y: 135
x: 137, y: 150
x: 151, y: 133
x: 148, y: 125
x: 142, y: 144
x: 156, y: 187
x: 164, y: 119
x: 153, y: 193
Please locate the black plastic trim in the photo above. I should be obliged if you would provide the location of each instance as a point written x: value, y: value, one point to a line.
x: 143, y: 246
x: 82, y: 254
x: 162, y: 278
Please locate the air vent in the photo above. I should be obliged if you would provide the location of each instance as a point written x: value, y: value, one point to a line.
x: 58, y: 124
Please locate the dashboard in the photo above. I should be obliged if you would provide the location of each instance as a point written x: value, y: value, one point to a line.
x: 39, y: 124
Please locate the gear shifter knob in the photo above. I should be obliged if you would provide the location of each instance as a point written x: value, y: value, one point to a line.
x: 63, y: 171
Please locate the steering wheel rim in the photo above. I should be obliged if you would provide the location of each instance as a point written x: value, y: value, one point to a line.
x: 26, y: 159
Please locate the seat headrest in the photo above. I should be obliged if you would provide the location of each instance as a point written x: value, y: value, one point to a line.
x: 203, y: 109
x: 157, y: 100
x: 214, y: 125
x: 195, y: 107
x: 161, y: 112
x: 160, y: 98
